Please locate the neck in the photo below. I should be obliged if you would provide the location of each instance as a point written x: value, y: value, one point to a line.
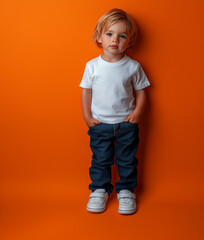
x: 112, y: 58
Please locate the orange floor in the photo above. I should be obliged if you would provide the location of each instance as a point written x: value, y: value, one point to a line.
x: 32, y: 214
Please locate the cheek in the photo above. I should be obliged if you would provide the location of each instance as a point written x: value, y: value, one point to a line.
x: 124, y: 43
x: 105, y: 41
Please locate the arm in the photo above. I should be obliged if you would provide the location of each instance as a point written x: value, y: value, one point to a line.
x: 135, y: 116
x: 86, y: 97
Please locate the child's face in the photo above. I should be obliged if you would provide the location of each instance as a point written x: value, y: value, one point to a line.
x: 115, y: 40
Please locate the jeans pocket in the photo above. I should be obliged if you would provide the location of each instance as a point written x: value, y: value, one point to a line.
x: 133, y: 124
x: 92, y: 127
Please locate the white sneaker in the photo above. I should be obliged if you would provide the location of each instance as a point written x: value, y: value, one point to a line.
x: 127, y: 204
x: 97, y: 201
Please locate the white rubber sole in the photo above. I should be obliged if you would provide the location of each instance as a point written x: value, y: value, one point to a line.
x: 127, y: 212
x: 93, y: 210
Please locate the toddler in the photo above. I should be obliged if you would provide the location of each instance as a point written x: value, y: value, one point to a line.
x: 112, y: 113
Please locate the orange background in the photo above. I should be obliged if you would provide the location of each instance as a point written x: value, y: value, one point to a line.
x: 45, y: 153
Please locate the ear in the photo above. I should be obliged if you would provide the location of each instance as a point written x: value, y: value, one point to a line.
x: 99, y: 39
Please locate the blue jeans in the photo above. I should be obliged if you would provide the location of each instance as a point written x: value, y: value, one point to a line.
x: 114, y: 140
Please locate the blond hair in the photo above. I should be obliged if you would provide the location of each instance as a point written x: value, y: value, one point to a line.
x: 110, y: 18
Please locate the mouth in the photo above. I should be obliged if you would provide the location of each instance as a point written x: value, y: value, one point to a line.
x: 114, y: 46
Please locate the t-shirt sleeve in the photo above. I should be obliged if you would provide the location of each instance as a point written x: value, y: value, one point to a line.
x: 140, y: 80
x: 87, y: 78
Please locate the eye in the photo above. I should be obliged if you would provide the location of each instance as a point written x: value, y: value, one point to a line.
x: 123, y: 36
x: 109, y: 34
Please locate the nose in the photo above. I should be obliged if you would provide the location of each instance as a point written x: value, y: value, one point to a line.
x: 115, y: 39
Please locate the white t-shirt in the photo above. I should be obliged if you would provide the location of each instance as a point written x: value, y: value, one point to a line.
x: 112, y: 87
